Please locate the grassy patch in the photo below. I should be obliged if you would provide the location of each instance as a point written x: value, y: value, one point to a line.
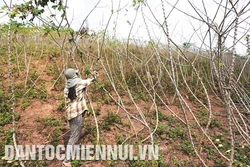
x: 139, y: 163
x: 215, y: 123
x: 186, y: 147
x: 49, y: 121
x: 61, y: 106
x: 6, y: 114
x: 176, y: 132
x: 25, y: 104
x: 6, y: 139
x: 162, y: 131
x: 76, y: 163
x: 110, y: 119
x: 119, y: 138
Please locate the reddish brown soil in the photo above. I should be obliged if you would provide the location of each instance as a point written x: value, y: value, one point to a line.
x: 31, y: 131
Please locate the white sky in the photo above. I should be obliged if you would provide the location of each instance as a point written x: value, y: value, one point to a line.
x: 182, y: 28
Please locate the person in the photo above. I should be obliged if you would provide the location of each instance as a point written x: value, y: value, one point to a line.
x: 75, y: 107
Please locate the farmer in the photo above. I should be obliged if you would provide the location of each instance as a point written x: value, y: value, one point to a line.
x: 75, y: 106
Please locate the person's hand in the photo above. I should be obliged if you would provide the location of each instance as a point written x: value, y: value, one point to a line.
x: 95, y: 74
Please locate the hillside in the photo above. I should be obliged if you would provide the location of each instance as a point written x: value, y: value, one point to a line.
x: 144, y: 93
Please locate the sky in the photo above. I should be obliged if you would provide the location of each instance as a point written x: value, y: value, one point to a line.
x: 182, y: 28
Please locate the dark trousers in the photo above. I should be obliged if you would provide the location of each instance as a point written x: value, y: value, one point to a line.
x: 75, y: 133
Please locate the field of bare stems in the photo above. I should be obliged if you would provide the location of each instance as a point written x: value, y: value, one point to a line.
x: 193, y: 102
x: 145, y: 93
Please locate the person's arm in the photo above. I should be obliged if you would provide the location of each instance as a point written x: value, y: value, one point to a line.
x: 86, y: 82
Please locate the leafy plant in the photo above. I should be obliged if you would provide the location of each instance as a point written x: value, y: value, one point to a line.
x: 186, y: 147
x: 42, y: 93
x: 215, y: 123
x: 49, y: 121
x: 6, y: 136
x: 110, y: 119
x: 76, y: 163
x: 136, y: 163
x: 25, y: 104
x: 162, y: 131
x: 6, y: 114
x: 119, y: 138
x: 176, y: 132
x: 61, y: 106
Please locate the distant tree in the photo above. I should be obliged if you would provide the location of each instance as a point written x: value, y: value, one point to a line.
x: 28, y: 11
x: 186, y: 45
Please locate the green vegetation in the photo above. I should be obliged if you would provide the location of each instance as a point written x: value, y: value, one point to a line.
x: 48, y: 121
x: 110, y: 119
x: 143, y: 163
x: 5, y: 114
x: 119, y: 138
x: 55, y: 129
x: 25, y: 104
x: 76, y: 163
x: 186, y: 147
x: 61, y: 106
x: 215, y: 123
x: 6, y: 136
x: 162, y: 131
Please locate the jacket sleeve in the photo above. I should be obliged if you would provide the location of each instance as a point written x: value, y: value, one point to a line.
x: 66, y: 91
x: 85, y: 82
